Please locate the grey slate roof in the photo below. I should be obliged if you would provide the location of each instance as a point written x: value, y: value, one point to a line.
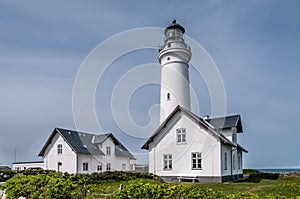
x: 86, y: 143
x: 227, y: 122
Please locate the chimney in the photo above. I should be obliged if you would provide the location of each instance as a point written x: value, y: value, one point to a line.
x: 206, y: 117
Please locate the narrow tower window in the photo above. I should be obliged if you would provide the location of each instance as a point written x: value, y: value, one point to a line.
x: 168, y: 96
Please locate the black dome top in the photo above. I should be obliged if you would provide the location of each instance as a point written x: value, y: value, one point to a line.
x: 175, y: 25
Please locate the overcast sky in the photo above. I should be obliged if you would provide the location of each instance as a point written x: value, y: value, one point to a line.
x: 255, y: 45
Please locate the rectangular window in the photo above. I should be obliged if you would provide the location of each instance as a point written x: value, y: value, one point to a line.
x: 108, y: 167
x: 85, y: 166
x: 108, y: 151
x: 196, y: 161
x: 181, y: 135
x: 233, y: 162
x: 99, y: 167
x: 225, y: 161
x: 131, y: 167
x: 124, y: 167
x: 59, y: 149
x: 167, y: 161
x: 239, y: 162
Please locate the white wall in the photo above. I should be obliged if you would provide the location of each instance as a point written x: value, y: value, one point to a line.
x: 198, y: 140
x: 226, y: 149
x: 68, y: 158
x: 115, y: 162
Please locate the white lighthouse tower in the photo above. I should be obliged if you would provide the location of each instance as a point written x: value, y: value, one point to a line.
x: 174, y: 57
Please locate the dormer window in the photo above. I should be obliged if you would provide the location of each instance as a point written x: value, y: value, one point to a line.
x: 59, y: 149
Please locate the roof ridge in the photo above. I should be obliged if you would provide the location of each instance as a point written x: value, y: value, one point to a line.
x: 219, y: 117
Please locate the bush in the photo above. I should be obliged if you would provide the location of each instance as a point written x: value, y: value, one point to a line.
x: 165, y: 191
x: 54, y: 185
x: 122, y: 176
x: 49, y: 184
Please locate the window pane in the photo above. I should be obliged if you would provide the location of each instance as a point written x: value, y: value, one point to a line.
x: 183, y: 138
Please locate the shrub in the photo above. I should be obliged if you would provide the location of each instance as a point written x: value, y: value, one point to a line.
x: 54, y: 185
x: 165, y: 191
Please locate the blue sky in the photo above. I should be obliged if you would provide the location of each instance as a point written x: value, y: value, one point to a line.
x: 255, y: 45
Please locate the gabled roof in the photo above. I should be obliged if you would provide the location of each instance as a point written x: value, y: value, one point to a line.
x: 196, y: 119
x: 227, y: 122
x: 86, y: 143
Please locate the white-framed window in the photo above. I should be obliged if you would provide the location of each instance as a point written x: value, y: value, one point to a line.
x: 108, y: 150
x: 131, y: 167
x: 239, y: 162
x: 167, y: 161
x: 108, y: 166
x: 225, y: 161
x: 181, y: 135
x: 233, y: 162
x: 85, y: 166
x: 99, y: 167
x: 59, y: 149
x: 168, y: 96
x: 196, y: 161
x: 124, y: 167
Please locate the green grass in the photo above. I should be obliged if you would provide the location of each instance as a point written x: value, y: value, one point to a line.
x: 289, y: 187
x: 262, y: 185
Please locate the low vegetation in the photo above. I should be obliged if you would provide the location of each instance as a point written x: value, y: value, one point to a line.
x: 118, y: 184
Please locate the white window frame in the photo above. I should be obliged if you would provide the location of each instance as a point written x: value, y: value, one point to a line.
x: 239, y: 162
x: 59, y: 149
x: 181, y: 136
x: 99, y: 167
x: 196, y: 158
x: 123, y: 167
x: 108, y: 166
x: 168, y: 162
x: 108, y: 150
x: 85, y: 166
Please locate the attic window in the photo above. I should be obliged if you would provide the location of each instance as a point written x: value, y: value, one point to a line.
x: 108, y: 150
x: 181, y: 135
x: 59, y: 149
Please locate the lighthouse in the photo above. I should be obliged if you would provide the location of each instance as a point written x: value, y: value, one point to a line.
x: 174, y: 57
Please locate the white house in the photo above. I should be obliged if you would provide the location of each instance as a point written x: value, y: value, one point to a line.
x: 78, y: 152
x: 186, y: 146
x: 28, y: 165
